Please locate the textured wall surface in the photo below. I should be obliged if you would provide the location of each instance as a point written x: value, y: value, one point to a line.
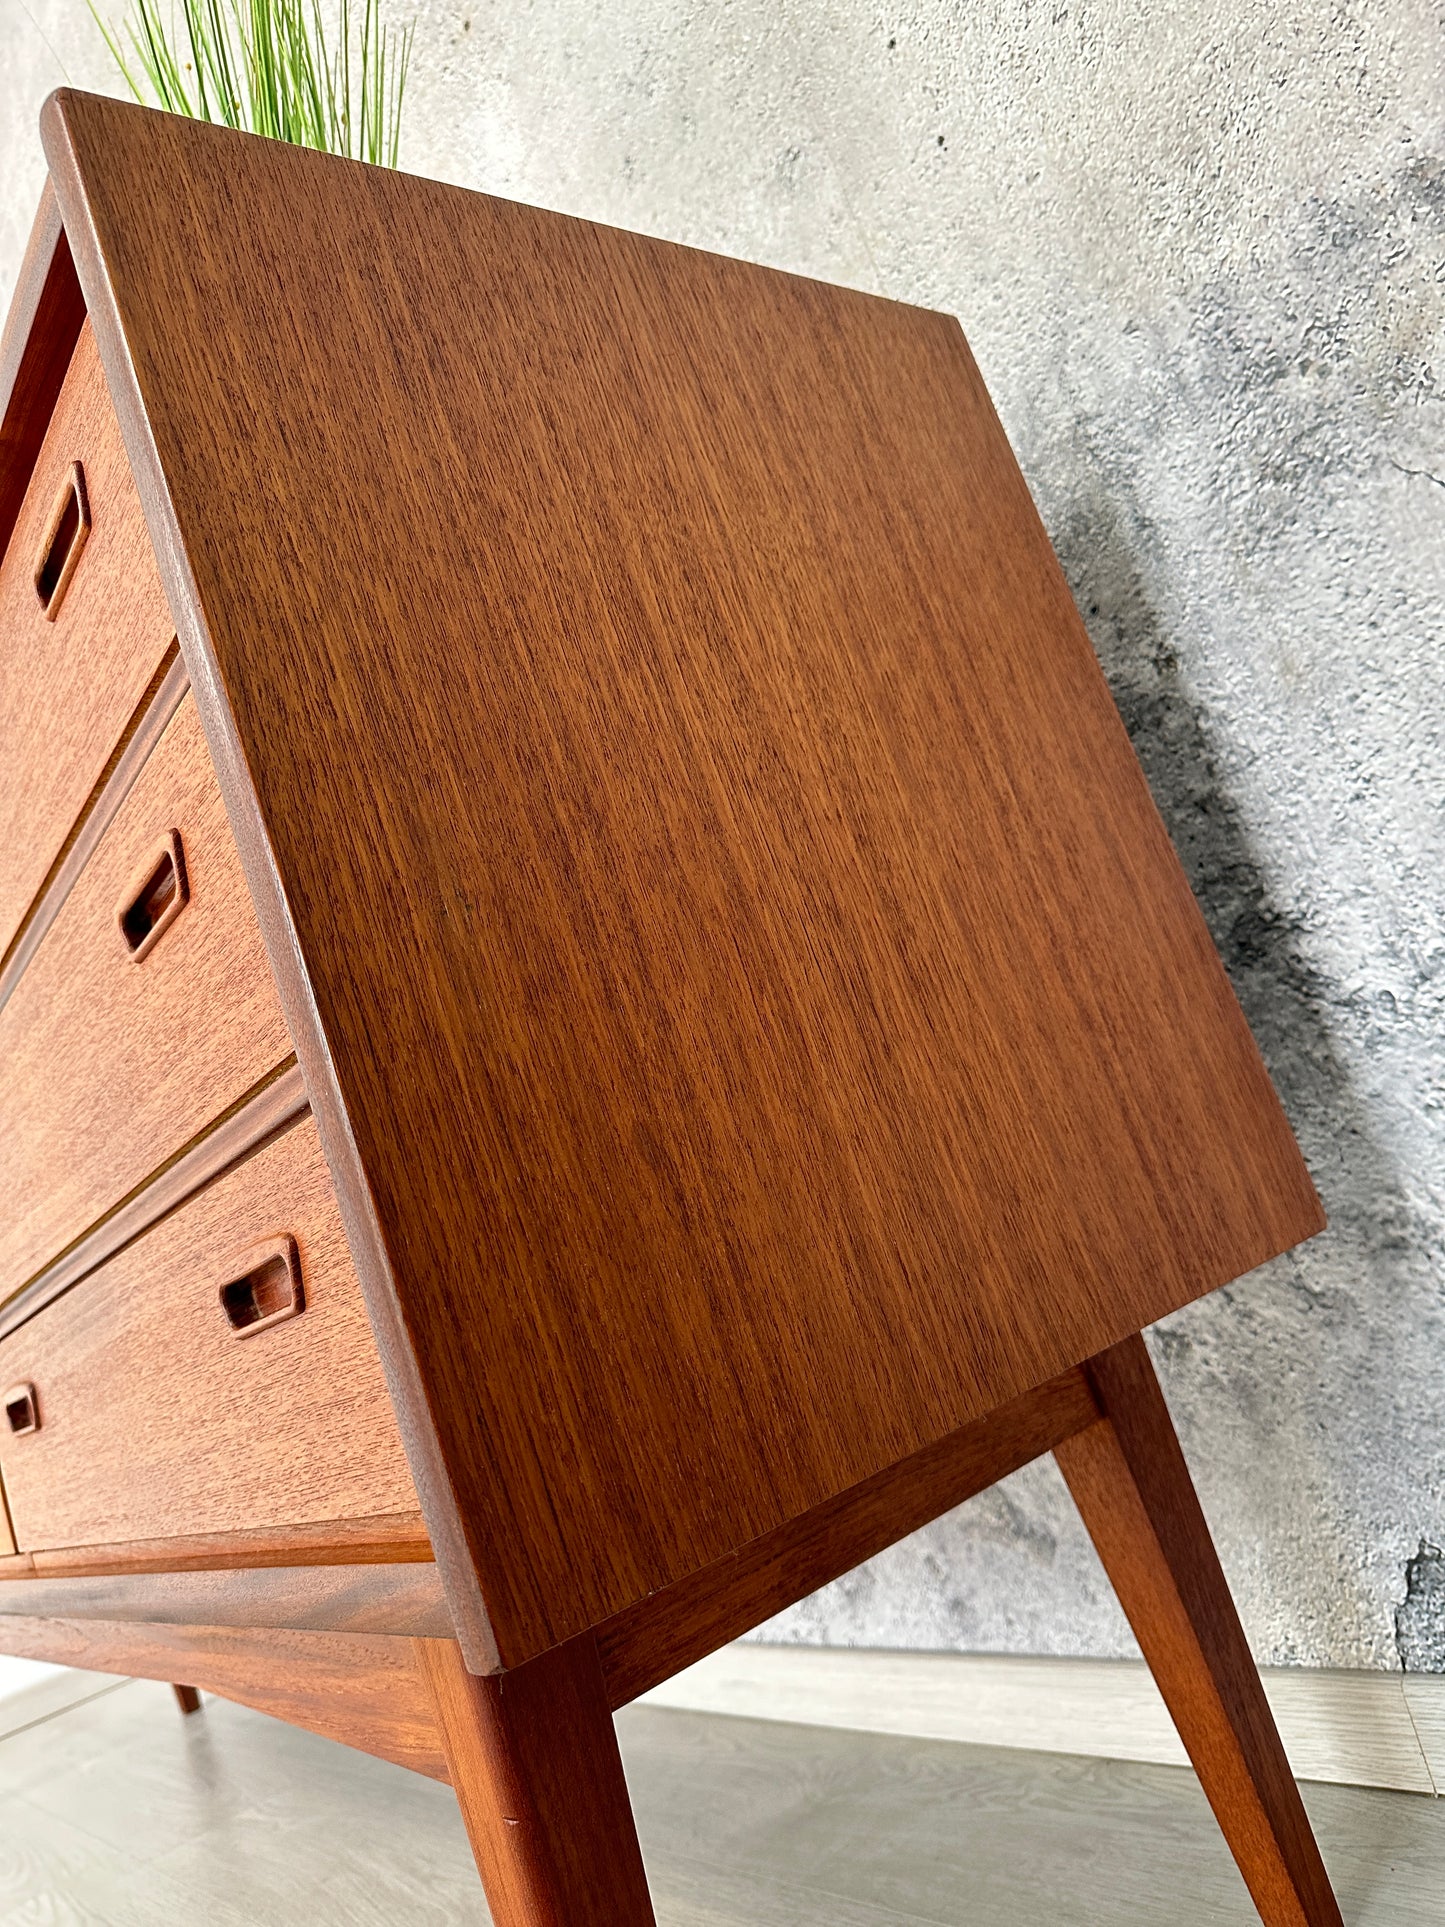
x: 1200, y: 255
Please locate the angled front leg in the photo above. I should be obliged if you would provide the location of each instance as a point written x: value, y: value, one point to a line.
x: 534, y: 1761
x: 1131, y: 1484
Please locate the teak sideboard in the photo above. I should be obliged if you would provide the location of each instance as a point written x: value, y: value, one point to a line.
x: 596, y: 1021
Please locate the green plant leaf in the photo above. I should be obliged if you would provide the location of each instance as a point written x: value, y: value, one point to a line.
x: 272, y: 67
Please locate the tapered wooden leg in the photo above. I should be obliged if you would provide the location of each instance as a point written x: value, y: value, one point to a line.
x: 534, y: 1760
x: 187, y: 1698
x: 1131, y: 1484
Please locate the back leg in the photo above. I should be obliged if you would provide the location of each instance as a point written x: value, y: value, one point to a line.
x: 1130, y: 1482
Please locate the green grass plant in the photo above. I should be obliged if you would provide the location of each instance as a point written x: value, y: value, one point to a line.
x: 271, y: 66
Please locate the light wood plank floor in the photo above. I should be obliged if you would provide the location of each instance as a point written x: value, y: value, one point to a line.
x: 118, y: 1812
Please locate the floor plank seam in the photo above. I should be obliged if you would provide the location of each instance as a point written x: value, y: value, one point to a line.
x: 58, y: 1712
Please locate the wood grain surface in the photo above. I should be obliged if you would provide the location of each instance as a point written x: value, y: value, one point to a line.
x: 108, y: 1067
x: 1130, y: 1482
x: 382, y: 1539
x: 397, y: 1599
x: 156, y: 1421
x: 260, y: 1116
x: 68, y: 687
x: 157, y: 705
x: 534, y: 1760
x: 364, y: 1690
x: 695, y: 1616
x: 647, y: 699
x: 46, y: 314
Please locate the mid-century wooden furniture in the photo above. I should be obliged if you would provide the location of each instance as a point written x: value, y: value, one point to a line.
x: 597, y: 1019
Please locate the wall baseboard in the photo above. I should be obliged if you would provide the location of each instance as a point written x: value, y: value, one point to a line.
x: 1357, y: 1729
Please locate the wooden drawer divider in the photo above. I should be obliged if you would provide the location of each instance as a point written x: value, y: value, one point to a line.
x: 142, y: 733
x: 261, y: 1115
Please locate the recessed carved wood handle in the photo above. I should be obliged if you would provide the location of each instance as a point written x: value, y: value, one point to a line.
x: 266, y: 1289
x: 157, y: 895
x: 63, y: 538
x: 22, y: 1412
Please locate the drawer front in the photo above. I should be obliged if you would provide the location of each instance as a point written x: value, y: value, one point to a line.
x: 139, y: 1020
x: 77, y: 653
x: 154, y: 1419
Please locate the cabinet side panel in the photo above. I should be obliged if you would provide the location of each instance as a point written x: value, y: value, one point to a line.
x: 769, y: 1021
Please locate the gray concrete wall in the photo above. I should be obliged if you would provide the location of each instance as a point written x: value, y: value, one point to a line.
x: 1200, y: 254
